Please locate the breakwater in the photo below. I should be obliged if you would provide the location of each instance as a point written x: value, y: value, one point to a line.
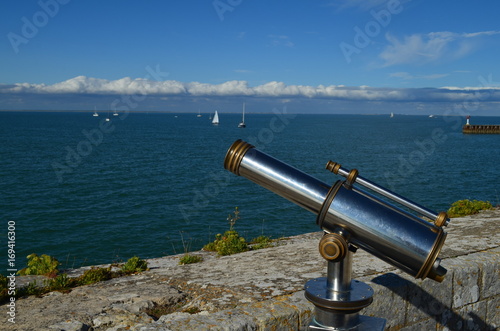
x: 481, y: 129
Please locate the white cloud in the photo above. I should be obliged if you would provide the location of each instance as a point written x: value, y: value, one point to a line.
x: 127, y: 86
x: 431, y: 47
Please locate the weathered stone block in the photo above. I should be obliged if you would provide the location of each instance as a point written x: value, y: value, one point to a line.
x: 426, y: 298
x: 471, y: 318
x: 427, y: 325
x: 465, y: 282
x: 490, y: 274
x: 227, y: 320
x: 493, y: 312
x: 70, y: 326
x: 389, y: 300
x: 304, y: 308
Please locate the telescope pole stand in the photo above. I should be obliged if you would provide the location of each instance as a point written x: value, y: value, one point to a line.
x: 337, y: 298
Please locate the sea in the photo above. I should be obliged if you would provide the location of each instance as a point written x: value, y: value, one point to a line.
x: 87, y: 191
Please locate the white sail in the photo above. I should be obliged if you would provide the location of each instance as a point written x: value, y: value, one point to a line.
x: 242, y: 124
x: 216, y: 118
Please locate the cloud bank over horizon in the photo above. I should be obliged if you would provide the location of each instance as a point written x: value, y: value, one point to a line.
x: 81, y: 91
x: 141, y: 86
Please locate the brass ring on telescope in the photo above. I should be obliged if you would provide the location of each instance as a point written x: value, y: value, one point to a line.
x: 431, y: 258
x: 351, y: 178
x: 441, y: 219
x: 333, y: 167
x: 235, y: 154
x: 328, y: 201
x: 333, y: 247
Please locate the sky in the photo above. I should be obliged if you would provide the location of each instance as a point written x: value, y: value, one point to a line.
x: 322, y: 56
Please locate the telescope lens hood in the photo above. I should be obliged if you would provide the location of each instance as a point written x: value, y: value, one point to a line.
x: 235, y: 154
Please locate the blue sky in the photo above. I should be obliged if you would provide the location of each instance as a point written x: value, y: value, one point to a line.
x: 334, y: 56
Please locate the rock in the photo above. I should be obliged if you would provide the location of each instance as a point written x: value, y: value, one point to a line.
x: 69, y: 326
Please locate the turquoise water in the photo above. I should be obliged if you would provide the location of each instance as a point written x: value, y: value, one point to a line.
x: 88, y: 191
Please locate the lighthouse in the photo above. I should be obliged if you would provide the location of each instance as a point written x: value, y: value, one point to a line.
x: 480, y: 128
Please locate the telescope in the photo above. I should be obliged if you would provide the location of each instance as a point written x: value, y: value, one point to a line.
x: 353, y: 213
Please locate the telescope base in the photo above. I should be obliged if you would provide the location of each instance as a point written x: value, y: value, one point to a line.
x: 366, y: 323
x: 339, y: 310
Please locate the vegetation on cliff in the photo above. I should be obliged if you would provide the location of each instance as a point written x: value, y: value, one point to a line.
x: 45, y: 265
x: 468, y: 207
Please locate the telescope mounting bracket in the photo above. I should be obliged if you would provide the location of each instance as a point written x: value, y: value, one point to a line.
x: 337, y: 298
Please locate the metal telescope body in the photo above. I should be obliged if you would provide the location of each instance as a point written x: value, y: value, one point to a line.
x: 395, y: 236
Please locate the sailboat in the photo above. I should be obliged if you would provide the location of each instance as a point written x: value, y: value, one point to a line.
x: 242, y: 123
x: 215, y: 120
x: 115, y: 113
x: 95, y: 113
x: 392, y: 115
x: 107, y: 118
x: 199, y: 114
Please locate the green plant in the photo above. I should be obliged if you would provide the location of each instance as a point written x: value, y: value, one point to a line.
x: 188, y: 259
x: 134, y: 264
x: 47, y: 266
x: 94, y: 275
x: 31, y: 289
x: 467, y: 207
x: 233, y: 218
x: 261, y: 242
x: 40, y: 265
x: 227, y: 244
x: 211, y: 247
x: 231, y: 242
x: 61, y: 283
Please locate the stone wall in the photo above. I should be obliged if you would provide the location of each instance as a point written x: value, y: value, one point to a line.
x: 468, y: 298
x: 263, y: 290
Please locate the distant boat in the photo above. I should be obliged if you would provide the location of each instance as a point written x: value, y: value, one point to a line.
x: 107, y: 118
x: 432, y: 116
x: 392, y: 115
x: 215, y: 120
x: 115, y: 113
x: 242, y: 123
x: 199, y: 114
x: 95, y: 113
